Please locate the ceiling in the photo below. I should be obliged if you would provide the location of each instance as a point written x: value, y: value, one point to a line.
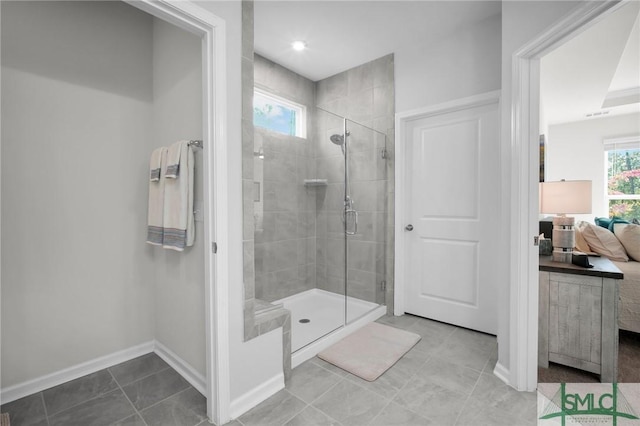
x: 343, y: 34
x: 595, y: 74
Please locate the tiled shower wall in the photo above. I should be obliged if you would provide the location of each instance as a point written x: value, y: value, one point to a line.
x: 299, y: 233
x: 365, y: 96
x: 285, y: 215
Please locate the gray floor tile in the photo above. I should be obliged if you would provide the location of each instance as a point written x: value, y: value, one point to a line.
x: 138, y: 368
x: 232, y: 423
x: 438, y: 404
x: 461, y: 353
x: 311, y: 416
x: 350, y: 404
x: 493, y: 392
x: 402, y: 321
x: 474, y: 338
x: 309, y: 381
x: 72, y: 393
x: 27, y: 411
x: 432, y: 330
x: 275, y: 411
x: 389, y: 384
x: 491, y: 363
x: 476, y: 413
x: 153, y: 389
x: 103, y: 410
x: 530, y: 415
x: 188, y: 408
x: 131, y: 421
x: 395, y: 415
x: 39, y: 422
x: 328, y: 366
x: 451, y: 376
x: 434, y: 334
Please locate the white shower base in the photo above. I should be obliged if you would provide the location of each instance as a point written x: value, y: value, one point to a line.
x: 326, y: 313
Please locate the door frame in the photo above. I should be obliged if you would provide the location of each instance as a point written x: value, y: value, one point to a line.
x: 401, y: 162
x: 212, y: 30
x: 520, y: 196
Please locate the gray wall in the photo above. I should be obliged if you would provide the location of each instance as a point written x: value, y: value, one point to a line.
x: 286, y: 217
x: 76, y: 114
x: 81, y: 112
x: 462, y: 63
x: 364, y: 94
x: 177, y: 114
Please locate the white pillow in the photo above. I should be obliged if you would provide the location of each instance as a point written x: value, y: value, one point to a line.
x: 602, y: 241
x: 629, y: 236
x: 581, y: 243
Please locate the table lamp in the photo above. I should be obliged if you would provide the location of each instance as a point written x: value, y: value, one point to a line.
x: 562, y: 198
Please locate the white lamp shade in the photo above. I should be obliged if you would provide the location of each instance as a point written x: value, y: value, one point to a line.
x: 570, y: 196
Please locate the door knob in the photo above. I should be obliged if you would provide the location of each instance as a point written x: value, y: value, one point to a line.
x: 409, y: 227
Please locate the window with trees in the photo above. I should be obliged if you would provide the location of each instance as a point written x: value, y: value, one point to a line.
x: 278, y: 114
x: 622, y: 161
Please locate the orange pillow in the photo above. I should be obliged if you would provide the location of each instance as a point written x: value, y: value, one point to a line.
x: 603, y: 241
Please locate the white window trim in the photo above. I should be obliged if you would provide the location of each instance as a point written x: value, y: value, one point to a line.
x: 611, y: 145
x: 301, y: 110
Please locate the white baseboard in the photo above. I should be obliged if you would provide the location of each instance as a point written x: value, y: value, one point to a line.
x: 189, y: 373
x: 502, y: 373
x: 256, y: 395
x: 39, y: 384
x: 59, y: 377
x: 238, y: 407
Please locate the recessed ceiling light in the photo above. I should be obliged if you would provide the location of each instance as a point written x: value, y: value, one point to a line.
x: 299, y: 45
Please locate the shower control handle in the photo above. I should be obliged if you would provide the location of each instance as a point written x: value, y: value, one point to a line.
x: 409, y: 227
x: 351, y: 216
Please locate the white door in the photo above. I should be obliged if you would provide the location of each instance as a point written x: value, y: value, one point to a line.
x: 452, y: 192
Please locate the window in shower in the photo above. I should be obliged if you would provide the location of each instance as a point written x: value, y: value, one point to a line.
x: 278, y: 114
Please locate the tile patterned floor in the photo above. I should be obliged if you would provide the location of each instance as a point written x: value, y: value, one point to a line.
x: 446, y: 379
x: 142, y: 392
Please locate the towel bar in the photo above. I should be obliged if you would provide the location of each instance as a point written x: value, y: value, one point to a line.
x: 196, y: 143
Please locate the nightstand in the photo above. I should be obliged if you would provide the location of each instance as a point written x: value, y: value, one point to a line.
x: 578, y: 316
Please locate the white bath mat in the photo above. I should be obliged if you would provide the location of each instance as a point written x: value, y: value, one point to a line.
x: 370, y: 351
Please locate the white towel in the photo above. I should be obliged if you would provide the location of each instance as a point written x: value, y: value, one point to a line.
x: 173, y: 159
x: 178, y: 198
x: 156, y: 164
x: 155, y: 215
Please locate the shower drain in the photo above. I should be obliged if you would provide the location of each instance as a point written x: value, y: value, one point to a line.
x: 304, y: 320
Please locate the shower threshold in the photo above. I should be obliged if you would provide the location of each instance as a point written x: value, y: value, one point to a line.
x: 317, y: 319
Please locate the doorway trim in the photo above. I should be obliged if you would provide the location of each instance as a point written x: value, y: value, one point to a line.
x: 212, y: 30
x: 522, y: 194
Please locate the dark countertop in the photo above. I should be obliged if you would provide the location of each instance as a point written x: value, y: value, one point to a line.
x: 602, y: 267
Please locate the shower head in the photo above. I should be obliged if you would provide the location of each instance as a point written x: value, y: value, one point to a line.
x: 337, y: 139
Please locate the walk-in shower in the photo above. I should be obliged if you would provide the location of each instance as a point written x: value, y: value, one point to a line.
x: 321, y: 249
